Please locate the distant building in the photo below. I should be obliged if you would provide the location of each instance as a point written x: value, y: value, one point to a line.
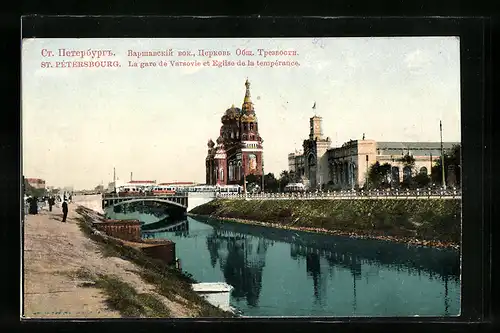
x: 141, y: 182
x: 36, y: 183
x: 179, y: 184
x: 238, y: 152
x: 292, y: 163
x: 347, y: 166
x: 112, y: 186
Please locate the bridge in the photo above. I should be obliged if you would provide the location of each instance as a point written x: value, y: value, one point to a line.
x: 186, y: 201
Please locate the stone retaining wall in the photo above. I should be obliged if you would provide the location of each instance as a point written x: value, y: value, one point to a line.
x: 129, y: 230
x: 163, y: 250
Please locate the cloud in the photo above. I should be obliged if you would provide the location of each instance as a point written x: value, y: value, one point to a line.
x: 417, y: 60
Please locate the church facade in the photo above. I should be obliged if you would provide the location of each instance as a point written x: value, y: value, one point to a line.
x: 238, y: 151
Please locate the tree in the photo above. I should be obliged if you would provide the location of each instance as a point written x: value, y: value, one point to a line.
x: 31, y: 191
x: 408, y: 162
x: 252, y: 179
x: 284, y: 180
x: 378, y: 175
x: 452, y: 159
x: 254, y: 182
x: 421, y: 180
x: 270, y: 183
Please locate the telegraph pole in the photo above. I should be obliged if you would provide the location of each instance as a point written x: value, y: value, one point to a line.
x: 442, y: 155
x: 244, y: 182
x: 263, y: 176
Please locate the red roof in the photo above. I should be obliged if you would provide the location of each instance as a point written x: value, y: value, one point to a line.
x: 178, y: 183
x: 142, y: 182
x: 35, y: 180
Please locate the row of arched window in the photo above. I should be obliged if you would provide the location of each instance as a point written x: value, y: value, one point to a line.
x: 343, y: 172
x: 234, y: 170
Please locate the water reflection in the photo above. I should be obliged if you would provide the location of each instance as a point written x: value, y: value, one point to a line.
x: 284, y: 272
x: 177, y: 228
x: 246, y: 246
x: 156, y: 216
x: 241, y: 259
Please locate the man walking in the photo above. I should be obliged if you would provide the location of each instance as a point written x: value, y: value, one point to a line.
x: 65, y: 210
x: 52, y: 201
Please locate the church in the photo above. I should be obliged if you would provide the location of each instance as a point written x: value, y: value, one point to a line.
x: 238, y: 150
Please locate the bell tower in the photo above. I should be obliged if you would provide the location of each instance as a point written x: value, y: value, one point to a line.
x: 251, y: 140
x: 315, y: 148
x: 315, y: 128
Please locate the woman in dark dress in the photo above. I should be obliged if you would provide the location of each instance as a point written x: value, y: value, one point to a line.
x: 33, y: 205
x: 65, y: 210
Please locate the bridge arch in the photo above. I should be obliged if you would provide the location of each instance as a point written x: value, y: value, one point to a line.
x: 170, y: 202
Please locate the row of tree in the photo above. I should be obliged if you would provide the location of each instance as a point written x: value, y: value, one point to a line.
x: 382, y: 176
x: 271, y: 182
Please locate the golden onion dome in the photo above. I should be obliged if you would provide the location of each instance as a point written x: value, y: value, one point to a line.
x: 249, y: 118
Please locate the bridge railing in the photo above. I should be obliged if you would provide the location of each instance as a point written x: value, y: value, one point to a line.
x: 143, y: 194
x: 353, y: 194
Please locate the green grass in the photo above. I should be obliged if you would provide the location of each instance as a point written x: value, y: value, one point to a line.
x: 168, y: 281
x: 123, y: 297
x: 435, y: 219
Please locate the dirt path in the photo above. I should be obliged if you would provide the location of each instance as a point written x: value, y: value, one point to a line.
x: 53, y: 252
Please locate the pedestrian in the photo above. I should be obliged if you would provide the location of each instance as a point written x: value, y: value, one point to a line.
x: 33, y: 206
x: 65, y: 210
x: 52, y: 201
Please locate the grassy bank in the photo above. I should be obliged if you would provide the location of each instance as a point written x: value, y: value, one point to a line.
x: 435, y: 220
x: 169, y: 282
x: 123, y: 297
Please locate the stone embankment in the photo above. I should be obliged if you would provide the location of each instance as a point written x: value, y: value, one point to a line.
x: 93, y: 202
x: 68, y: 274
x: 435, y: 223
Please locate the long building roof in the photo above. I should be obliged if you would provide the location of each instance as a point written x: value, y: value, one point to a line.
x: 414, y: 145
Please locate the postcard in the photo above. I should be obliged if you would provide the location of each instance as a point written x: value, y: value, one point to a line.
x: 241, y: 177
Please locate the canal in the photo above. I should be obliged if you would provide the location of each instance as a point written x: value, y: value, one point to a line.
x: 288, y: 273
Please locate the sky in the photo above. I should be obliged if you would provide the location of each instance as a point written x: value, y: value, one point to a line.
x: 80, y: 123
